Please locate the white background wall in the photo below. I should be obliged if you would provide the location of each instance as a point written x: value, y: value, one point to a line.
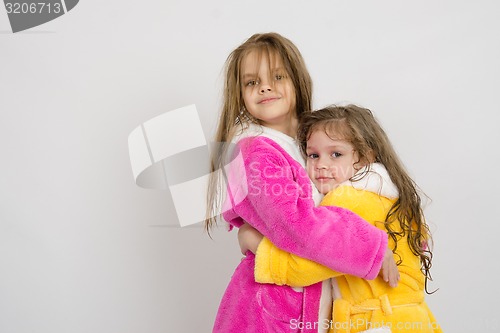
x: 83, y: 249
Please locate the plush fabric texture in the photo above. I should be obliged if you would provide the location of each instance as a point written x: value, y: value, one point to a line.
x: 360, y: 304
x: 279, y: 205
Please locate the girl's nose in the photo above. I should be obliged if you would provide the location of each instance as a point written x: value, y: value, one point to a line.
x: 321, y: 164
x: 265, y: 87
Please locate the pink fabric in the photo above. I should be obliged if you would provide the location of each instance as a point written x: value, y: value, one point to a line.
x: 251, y: 307
x: 310, y: 308
x: 279, y: 205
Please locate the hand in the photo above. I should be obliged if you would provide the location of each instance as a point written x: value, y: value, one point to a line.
x: 249, y: 238
x: 389, y: 270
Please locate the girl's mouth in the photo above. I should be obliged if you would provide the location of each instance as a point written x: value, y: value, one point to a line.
x: 268, y: 100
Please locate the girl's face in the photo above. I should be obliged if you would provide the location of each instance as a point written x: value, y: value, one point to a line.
x: 267, y: 91
x: 330, y: 161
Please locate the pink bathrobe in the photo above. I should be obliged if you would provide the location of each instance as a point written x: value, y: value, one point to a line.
x: 271, y: 191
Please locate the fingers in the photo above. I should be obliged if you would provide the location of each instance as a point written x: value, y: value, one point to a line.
x: 393, y: 277
x: 242, y: 240
x: 389, y: 270
x: 392, y: 274
x: 385, y: 270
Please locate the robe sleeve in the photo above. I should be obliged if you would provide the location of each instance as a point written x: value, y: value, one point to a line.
x: 276, y: 266
x: 265, y: 193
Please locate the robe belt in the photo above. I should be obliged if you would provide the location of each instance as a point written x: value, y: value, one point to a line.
x: 343, y: 309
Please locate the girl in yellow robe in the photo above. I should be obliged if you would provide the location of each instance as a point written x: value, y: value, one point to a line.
x: 350, y: 159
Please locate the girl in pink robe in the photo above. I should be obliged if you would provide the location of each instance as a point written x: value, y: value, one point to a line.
x: 267, y: 89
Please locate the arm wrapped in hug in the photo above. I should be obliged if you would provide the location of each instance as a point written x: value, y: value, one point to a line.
x: 274, y: 197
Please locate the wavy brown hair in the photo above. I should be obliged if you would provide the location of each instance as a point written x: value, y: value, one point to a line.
x: 359, y: 127
x: 233, y: 111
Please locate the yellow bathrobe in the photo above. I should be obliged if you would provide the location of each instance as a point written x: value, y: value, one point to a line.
x: 358, y: 304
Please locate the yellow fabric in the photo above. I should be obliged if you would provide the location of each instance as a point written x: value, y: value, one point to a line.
x: 364, y: 304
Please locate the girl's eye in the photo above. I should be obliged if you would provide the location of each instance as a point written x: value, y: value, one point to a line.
x: 312, y: 156
x: 336, y: 154
x: 251, y: 83
x: 279, y: 77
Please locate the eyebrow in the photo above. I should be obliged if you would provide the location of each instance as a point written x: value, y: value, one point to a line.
x: 329, y: 147
x: 247, y: 76
x: 253, y: 75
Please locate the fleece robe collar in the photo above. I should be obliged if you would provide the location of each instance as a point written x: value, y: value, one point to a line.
x: 377, y: 180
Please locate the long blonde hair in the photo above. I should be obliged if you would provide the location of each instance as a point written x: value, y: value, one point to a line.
x: 233, y: 111
x: 358, y: 126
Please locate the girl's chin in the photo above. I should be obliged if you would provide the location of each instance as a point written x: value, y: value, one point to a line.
x: 324, y: 189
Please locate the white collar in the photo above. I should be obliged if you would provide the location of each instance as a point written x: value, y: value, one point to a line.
x: 376, y: 180
x: 286, y: 142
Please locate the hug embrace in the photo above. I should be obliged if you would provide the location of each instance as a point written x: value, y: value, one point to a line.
x: 329, y: 220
